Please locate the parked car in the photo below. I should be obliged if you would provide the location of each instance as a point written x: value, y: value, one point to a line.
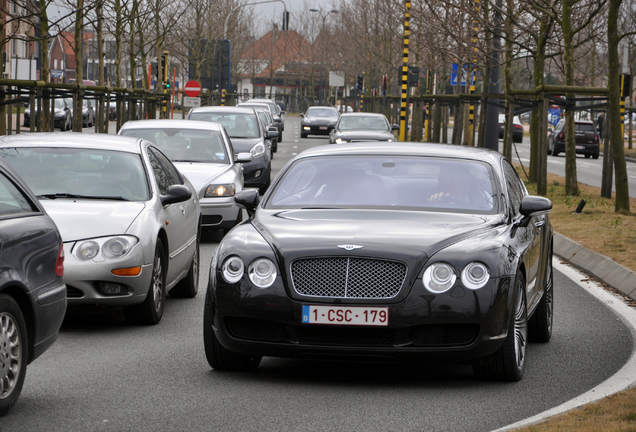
x: 129, y: 220
x: 88, y: 113
x: 517, y: 128
x: 360, y: 127
x: 32, y: 291
x: 268, y: 123
x: 365, y: 251
x: 63, y: 115
x: 203, y: 153
x: 277, y: 113
x: 247, y: 134
x: 587, y: 140
x: 318, y: 120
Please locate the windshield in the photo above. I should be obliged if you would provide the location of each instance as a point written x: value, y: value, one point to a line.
x: 585, y: 127
x: 185, y: 145
x: 322, y: 112
x: 236, y: 125
x: 358, y: 122
x: 409, y: 182
x: 54, y: 172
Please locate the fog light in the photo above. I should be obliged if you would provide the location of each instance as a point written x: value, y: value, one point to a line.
x: 108, y: 288
x: 257, y: 174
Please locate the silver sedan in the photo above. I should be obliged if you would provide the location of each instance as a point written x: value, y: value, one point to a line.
x: 129, y: 220
x: 203, y: 153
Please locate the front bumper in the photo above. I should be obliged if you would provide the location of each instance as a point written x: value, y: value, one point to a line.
x: 256, y: 173
x: 84, y: 279
x: 219, y: 213
x: 316, y: 129
x: 461, y: 325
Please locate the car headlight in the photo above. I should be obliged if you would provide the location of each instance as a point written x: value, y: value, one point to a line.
x: 233, y: 269
x: 390, y: 140
x: 439, y: 277
x: 475, y: 275
x: 340, y: 141
x: 258, y: 150
x: 262, y: 273
x: 110, y: 247
x: 219, y: 190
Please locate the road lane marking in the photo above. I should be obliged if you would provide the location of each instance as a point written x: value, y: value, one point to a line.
x: 621, y: 380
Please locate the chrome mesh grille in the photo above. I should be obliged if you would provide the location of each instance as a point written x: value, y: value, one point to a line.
x: 361, y: 278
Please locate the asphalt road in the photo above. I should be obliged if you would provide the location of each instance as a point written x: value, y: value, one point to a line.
x: 105, y: 375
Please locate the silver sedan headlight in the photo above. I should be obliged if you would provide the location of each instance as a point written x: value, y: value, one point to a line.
x: 219, y: 190
x: 340, y: 140
x: 110, y: 247
x: 258, y: 150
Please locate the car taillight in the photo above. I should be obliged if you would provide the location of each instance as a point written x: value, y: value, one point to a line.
x: 59, y: 263
x: 595, y: 139
x: 560, y: 136
x: 518, y: 126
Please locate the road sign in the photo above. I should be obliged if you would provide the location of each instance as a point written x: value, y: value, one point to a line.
x: 192, y: 88
x: 554, y: 115
x: 193, y: 102
x: 453, y: 77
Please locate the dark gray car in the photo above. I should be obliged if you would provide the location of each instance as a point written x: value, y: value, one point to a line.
x: 362, y: 127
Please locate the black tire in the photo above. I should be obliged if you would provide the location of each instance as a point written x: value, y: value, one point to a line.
x: 595, y: 155
x: 302, y: 135
x: 151, y: 310
x: 555, y: 152
x: 509, y: 361
x: 188, y: 287
x: 280, y: 136
x: 540, y: 324
x: 13, y: 338
x: 587, y: 155
x: 275, y: 147
x: 218, y: 357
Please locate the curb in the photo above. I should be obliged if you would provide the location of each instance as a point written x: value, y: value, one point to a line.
x: 603, y: 268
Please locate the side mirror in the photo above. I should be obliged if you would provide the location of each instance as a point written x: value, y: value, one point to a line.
x: 271, y: 133
x: 302, y: 115
x: 175, y: 194
x: 550, y: 130
x: 277, y: 119
x: 283, y: 112
x: 248, y: 199
x: 395, y: 127
x: 243, y: 157
x: 535, y: 206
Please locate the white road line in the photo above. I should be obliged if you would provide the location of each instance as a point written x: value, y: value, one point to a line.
x: 621, y: 380
x: 295, y: 146
x: 294, y: 154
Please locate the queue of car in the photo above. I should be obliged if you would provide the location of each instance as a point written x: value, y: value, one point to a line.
x: 355, y: 249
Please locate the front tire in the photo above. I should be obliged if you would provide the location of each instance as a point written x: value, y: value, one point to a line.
x: 509, y: 361
x: 13, y: 353
x: 218, y: 357
x: 151, y: 310
x: 540, y: 324
x: 302, y: 135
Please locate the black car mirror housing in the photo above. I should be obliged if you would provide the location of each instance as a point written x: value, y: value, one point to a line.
x: 175, y: 194
x: 248, y: 199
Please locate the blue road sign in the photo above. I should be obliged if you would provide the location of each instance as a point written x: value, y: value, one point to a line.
x: 453, y: 76
x: 554, y: 115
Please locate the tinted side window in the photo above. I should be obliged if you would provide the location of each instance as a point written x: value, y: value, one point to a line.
x: 12, y: 200
x: 516, y: 190
x: 173, y: 175
x: 161, y: 177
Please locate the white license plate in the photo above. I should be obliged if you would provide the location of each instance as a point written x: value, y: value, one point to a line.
x: 580, y: 147
x: 323, y: 127
x: 341, y: 315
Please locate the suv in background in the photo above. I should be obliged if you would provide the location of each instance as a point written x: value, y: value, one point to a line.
x: 587, y: 139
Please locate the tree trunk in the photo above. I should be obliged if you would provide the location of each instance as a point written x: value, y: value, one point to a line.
x: 571, y: 182
x: 537, y: 113
x: 616, y: 138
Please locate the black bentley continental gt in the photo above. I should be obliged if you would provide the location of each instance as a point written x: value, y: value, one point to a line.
x: 402, y: 251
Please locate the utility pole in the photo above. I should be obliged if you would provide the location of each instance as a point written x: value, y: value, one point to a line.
x: 405, y: 69
x: 322, y: 48
x: 491, y: 129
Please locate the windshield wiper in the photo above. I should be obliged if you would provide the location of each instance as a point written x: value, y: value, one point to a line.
x: 240, y: 137
x: 68, y: 195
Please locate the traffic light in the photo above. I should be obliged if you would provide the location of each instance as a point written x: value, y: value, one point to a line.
x: 164, y: 67
x: 360, y: 83
x: 285, y: 20
x: 168, y: 84
x: 154, y: 71
x: 385, y: 84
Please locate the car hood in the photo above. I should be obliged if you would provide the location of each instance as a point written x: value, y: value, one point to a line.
x: 411, y: 235
x: 364, y: 135
x: 244, y: 144
x: 201, y: 174
x: 81, y: 219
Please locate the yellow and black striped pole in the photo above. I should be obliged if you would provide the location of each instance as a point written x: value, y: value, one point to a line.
x: 427, y: 107
x: 623, y: 92
x: 222, y: 97
x: 471, y: 107
x: 405, y: 68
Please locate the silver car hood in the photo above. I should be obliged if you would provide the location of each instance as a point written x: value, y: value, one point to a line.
x: 82, y: 219
x: 201, y: 174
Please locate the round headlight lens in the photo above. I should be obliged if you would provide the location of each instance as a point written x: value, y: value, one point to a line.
x: 87, y: 250
x: 475, y: 275
x: 258, y: 150
x: 439, y: 277
x: 262, y: 272
x: 116, y: 247
x: 233, y: 269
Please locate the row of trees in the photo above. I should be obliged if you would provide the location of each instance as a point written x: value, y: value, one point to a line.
x: 568, y: 42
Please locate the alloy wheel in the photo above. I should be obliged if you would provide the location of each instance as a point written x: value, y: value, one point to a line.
x: 10, y: 354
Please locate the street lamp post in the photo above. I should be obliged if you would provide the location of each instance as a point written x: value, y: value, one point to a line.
x: 322, y: 47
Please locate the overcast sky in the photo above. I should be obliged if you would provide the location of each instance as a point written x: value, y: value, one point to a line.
x: 274, y: 11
